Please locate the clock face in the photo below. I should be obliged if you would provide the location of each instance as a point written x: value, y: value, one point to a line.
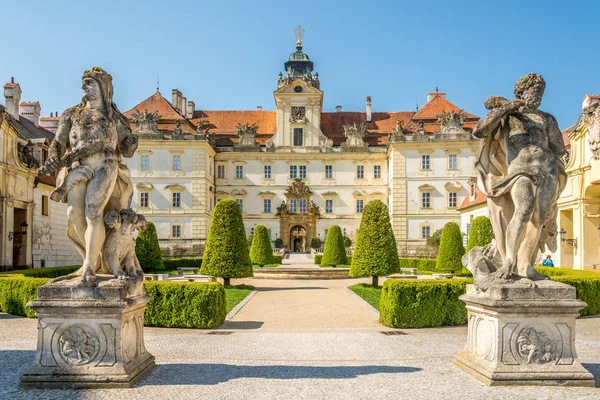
x: 298, y: 89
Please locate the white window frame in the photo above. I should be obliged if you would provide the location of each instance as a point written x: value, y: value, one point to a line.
x: 293, y: 172
x: 328, y: 206
x: 360, y: 171
x: 294, y: 130
x: 425, y: 162
x: 330, y: 177
x: 179, y: 231
x: 147, y: 163
x: 360, y: 206
x: 147, y: 193
x: 303, y: 206
x: 452, y: 198
x: 377, y: 170
x: 267, y: 205
x: 267, y: 171
x: 425, y: 198
x: 176, y: 195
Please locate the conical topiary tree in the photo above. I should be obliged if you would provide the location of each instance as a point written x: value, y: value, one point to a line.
x: 226, y: 254
x: 334, y: 252
x: 375, y: 251
x: 451, y: 249
x: 147, y: 249
x: 481, y: 232
x: 261, y: 252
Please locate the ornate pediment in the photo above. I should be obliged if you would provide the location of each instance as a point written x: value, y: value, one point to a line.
x: 452, y: 122
x: 26, y: 157
x: 354, y: 136
x: 297, y: 189
x: 247, y: 134
x: 591, y: 120
x: 145, y: 122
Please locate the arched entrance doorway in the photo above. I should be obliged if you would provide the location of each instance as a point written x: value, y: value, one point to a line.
x: 298, y: 239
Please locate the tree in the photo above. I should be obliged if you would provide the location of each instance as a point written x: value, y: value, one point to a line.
x: 226, y: 254
x: 481, y: 232
x: 250, y: 240
x: 434, y: 240
x: 451, y: 249
x: 334, y: 252
x: 315, y: 243
x: 261, y: 252
x: 347, y: 241
x: 147, y: 249
x: 278, y: 243
x: 375, y: 253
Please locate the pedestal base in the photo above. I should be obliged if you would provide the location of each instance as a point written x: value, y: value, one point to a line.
x: 89, y: 336
x: 520, y: 335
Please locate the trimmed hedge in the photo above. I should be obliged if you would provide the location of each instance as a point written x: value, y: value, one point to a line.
x: 53, y: 272
x: 420, y: 304
x: 173, y: 305
x: 226, y: 253
x: 451, y: 249
x: 588, y: 290
x: 147, y: 249
x: 174, y: 263
x: 376, y: 251
x: 334, y: 252
x: 421, y: 264
x: 318, y: 258
x: 277, y: 259
x: 185, y: 305
x: 261, y: 252
x: 481, y: 233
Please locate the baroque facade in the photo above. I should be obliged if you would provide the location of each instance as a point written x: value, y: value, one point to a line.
x: 298, y: 170
x: 32, y: 228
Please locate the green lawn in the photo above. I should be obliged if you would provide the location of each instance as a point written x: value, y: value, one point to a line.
x: 266, y: 266
x: 235, y: 294
x: 337, y: 266
x: 370, y: 294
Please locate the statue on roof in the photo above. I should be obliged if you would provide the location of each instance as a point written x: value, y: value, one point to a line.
x: 519, y: 167
x: 452, y: 123
x: 145, y: 122
x: 247, y: 135
x: 355, y: 134
x: 591, y: 120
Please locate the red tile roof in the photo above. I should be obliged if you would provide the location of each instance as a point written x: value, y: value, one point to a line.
x: 48, y: 180
x: 168, y: 114
x: 565, y: 135
x: 382, y: 123
x: 480, y: 198
x: 226, y: 121
x: 435, y: 107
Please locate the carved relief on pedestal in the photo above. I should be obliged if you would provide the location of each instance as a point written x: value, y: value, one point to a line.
x: 78, y: 345
x: 534, y: 345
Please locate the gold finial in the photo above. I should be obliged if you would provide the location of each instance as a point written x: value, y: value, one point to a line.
x: 299, y: 32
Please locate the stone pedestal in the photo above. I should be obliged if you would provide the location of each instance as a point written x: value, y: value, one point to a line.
x: 90, y: 335
x: 522, y: 335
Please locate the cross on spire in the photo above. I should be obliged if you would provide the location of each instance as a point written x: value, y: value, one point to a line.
x: 299, y: 33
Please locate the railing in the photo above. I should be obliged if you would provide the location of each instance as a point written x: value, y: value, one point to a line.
x: 319, y: 251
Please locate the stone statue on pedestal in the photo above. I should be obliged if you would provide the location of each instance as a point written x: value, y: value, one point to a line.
x: 521, y: 324
x: 91, y: 321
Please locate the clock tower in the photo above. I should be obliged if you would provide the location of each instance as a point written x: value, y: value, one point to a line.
x: 299, y: 102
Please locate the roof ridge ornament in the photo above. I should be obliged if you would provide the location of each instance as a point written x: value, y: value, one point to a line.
x: 299, y: 33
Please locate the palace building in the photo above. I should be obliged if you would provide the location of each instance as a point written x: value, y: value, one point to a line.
x: 298, y: 170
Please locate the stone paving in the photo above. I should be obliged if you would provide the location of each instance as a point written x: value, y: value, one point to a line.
x: 270, y: 358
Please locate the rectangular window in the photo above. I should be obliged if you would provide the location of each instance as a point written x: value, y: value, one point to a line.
x: 452, y: 199
x: 145, y: 162
x: 239, y: 172
x: 176, y: 162
x: 298, y: 137
x: 176, y: 199
x: 293, y: 171
x: 425, y: 232
x: 425, y: 161
x: 425, y: 200
x: 303, y: 172
x: 360, y: 172
x: 452, y: 161
x: 267, y: 171
x: 359, y: 206
x: 329, y: 172
x: 176, y: 231
x: 293, y: 204
x: 377, y: 171
x: 269, y: 233
x: 44, y: 156
x: 267, y: 205
x: 240, y: 203
x: 45, y: 206
x: 144, y: 199
x: 328, y: 206
x: 302, y: 206
x: 220, y: 172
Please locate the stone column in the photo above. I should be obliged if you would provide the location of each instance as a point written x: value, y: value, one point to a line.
x: 89, y: 335
x: 523, y: 335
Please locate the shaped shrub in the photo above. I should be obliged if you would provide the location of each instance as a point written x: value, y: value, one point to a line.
x: 147, y: 249
x: 334, y: 252
x: 226, y: 254
x: 481, y: 232
x: 261, y: 252
x: 375, y: 253
x: 451, y: 249
x: 174, y: 263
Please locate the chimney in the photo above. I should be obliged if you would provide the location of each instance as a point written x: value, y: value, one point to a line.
x: 183, y: 105
x: 175, y: 102
x: 338, y: 108
x: 431, y: 95
x: 191, y: 108
x: 31, y: 111
x: 258, y: 108
x: 12, y: 98
x: 368, y: 112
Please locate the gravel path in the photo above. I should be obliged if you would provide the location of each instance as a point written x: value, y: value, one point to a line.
x: 302, y: 354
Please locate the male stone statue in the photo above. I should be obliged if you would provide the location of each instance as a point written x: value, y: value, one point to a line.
x: 519, y: 168
x: 90, y: 139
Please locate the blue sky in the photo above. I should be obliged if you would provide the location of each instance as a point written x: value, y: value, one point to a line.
x: 226, y: 54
